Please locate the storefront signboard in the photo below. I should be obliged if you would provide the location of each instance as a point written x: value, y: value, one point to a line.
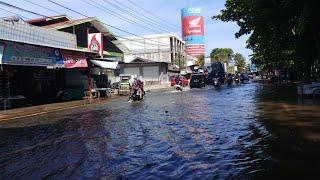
x: 74, y: 59
x: 95, y: 43
x: 30, y: 55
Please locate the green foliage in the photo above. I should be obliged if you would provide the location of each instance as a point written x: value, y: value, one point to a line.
x: 179, y: 61
x: 200, y: 60
x: 284, y: 34
x: 239, y: 61
x: 223, y: 55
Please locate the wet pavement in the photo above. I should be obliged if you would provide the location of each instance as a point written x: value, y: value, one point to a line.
x: 252, y: 131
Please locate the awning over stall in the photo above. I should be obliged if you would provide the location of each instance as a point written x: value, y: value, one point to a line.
x: 105, y: 64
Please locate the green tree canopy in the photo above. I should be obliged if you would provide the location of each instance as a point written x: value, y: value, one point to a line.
x: 239, y: 61
x: 223, y: 55
x: 200, y: 60
x: 284, y: 34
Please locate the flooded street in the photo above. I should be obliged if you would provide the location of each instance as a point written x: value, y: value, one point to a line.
x: 243, y: 132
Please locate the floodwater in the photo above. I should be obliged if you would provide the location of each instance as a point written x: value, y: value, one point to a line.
x: 251, y: 131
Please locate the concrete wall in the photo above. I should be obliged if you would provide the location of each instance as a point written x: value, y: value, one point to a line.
x: 159, y: 77
x: 159, y: 48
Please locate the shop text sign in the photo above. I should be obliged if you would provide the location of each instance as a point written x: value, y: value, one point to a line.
x: 74, y: 59
x: 29, y: 55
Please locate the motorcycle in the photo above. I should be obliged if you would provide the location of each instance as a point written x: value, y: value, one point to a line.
x: 229, y: 81
x: 216, y: 82
x: 178, y: 87
x: 135, y: 96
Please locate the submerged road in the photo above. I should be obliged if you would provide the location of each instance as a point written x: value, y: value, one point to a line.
x: 246, y: 131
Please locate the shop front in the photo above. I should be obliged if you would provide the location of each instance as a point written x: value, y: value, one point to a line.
x: 76, y: 74
x: 28, y: 73
x: 103, y: 74
x: 38, y: 75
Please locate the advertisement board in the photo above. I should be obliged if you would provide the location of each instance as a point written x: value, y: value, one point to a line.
x: 30, y: 55
x: 192, y: 22
x: 193, y: 30
x: 195, y: 50
x: 193, y: 25
x: 95, y: 43
x: 74, y: 59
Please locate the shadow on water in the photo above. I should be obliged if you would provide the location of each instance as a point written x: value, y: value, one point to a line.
x: 239, y: 132
x: 294, y: 127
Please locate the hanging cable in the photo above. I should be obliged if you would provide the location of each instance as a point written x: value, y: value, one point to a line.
x: 147, y: 11
x: 113, y: 13
x: 102, y: 22
x: 140, y: 17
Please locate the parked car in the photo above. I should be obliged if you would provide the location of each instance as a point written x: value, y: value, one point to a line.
x: 184, y: 81
x: 197, y: 81
x: 124, y: 84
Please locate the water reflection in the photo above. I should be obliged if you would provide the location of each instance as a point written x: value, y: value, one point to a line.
x: 248, y: 131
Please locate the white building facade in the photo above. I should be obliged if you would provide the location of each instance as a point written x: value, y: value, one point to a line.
x: 167, y: 48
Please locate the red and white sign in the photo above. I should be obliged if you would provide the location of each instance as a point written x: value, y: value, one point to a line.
x: 95, y: 43
x: 74, y: 59
x: 195, y: 50
x: 192, y: 25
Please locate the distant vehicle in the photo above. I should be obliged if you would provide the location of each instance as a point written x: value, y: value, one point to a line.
x: 178, y: 87
x: 183, y: 80
x: 124, y: 84
x: 217, y: 74
x: 229, y: 79
x: 244, y: 78
x: 309, y: 90
x: 115, y: 85
x: 197, y: 81
x: 135, y: 96
x: 251, y: 75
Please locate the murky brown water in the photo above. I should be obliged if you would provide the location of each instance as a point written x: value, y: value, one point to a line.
x: 244, y: 132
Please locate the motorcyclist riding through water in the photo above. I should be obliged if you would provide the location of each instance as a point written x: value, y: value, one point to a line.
x: 136, y: 89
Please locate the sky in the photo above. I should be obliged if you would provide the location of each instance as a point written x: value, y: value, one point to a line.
x: 217, y: 34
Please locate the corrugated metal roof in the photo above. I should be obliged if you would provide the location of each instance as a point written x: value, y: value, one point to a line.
x: 37, y: 20
x: 97, y: 24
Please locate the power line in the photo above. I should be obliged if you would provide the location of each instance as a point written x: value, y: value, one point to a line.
x: 26, y: 18
x: 147, y: 11
x: 16, y: 7
x: 33, y: 3
x: 131, y: 40
x: 113, y: 13
x: 140, y: 17
x: 100, y: 21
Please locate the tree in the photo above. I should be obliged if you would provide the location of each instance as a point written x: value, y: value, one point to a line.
x: 200, y: 60
x: 239, y: 61
x: 223, y: 55
x: 284, y: 34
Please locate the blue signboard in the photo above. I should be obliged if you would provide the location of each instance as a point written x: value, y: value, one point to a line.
x: 191, y: 11
x: 194, y: 40
x: 253, y: 68
x: 30, y: 55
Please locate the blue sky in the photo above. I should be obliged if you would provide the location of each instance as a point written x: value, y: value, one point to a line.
x: 217, y: 34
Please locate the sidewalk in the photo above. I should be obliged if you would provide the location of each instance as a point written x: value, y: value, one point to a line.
x: 18, y: 113
x: 157, y: 87
x: 47, y: 108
